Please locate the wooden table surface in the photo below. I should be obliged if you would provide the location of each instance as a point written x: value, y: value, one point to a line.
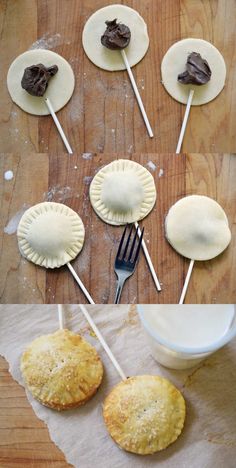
x: 39, y: 177
x: 103, y: 115
x: 24, y: 439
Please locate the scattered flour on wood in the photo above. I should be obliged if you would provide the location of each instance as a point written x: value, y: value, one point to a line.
x: 12, y: 224
x: 151, y: 165
x: 58, y: 194
x: 47, y: 42
x: 161, y: 173
x: 87, y: 156
x: 8, y: 175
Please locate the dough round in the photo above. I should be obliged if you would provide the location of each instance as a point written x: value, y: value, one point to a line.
x: 197, y: 228
x: 174, y: 62
x: 60, y: 87
x: 50, y: 234
x: 61, y: 370
x: 144, y: 414
x: 111, y: 60
x: 122, y: 192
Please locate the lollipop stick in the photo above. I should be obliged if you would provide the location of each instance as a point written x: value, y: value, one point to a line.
x: 136, y: 92
x: 78, y: 280
x: 58, y: 125
x: 184, y: 290
x: 60, y: 316
x: 102, y: 341
x: 148, y: 259
x: 184, y: 124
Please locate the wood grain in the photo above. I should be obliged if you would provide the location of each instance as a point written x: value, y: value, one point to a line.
x: 103, y: 115
x: 24, y: 439
x: 66, y: 180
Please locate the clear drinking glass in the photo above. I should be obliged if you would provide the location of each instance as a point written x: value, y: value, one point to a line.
x: 175, y: 355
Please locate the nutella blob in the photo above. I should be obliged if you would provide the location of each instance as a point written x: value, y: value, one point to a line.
x: 36, y: 78
x: 197, y: 71
x: 117, y: 35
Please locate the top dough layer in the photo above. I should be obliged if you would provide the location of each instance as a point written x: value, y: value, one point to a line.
x: 50, y: 234
x: 59, y: 90
x: 61, y: 370
x: 197, y: 228
x: 111, y: 60
x: 122, y: 192
x: 174, y: 62
x: 144, y: 414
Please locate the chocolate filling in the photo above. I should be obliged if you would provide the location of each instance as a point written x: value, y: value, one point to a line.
x: 35, y: 79
x: 117, y: 36
x: 197, y: 71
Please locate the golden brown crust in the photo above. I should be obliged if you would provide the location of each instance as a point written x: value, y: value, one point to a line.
x: 144, y: 414
x: 61, y: 370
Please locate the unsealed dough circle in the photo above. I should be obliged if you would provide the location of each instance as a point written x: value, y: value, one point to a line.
x: 50, y: 234
x: 122, y: 192
x: 111, y: 60
x: 174, y: 63
x: 60, y: 87
x: 197, y: 227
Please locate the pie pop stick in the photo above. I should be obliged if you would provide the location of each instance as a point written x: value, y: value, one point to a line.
x: 60, y: 316
x: 79, y: 282
x: 185, y: 120
x: 136, y: 92
x: 148, y: 259
x: 58, y: 125
x: 186, y: 282
x: 102, y: 341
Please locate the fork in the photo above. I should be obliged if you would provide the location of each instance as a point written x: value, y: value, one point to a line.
x: 126, y: 258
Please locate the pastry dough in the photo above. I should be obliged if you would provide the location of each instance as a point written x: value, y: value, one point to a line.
x: 50, y: 234
x: 60, y: 87
x: 174, y: 62
x: 122, y: 192
x: 111, y: 60
x: 144, y: 414
x: 197, y: 228
x: 61, y: 370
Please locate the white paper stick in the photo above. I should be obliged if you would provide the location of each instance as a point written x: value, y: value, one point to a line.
x: 148, y: 259
x: 186, y: 282
x: 60, y: 316
x: 136, y: 92
x: 81, y: 285
x: 58, y: 125
x: 184, y: 124
x: 102, y: 341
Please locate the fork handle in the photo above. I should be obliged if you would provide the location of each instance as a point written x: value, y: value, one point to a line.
x: 119, y: 288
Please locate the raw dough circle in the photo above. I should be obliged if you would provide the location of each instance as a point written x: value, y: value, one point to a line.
x: 174, y: 63
x: 61, y: 370
x: 122, y: 192
x: 111, y: 60
x: 144, y: 414
x: 60, y: 87
x: 197, y: 227
x: 50, y: 234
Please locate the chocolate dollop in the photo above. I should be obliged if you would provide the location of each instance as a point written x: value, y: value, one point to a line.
x: 35, y: 79
x: 117, y: 35
x: 197, y: 71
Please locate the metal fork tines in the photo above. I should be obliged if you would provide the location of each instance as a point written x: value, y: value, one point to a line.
x: 127, y: 257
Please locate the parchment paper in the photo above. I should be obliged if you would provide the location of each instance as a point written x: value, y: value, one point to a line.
x: 208, y: 439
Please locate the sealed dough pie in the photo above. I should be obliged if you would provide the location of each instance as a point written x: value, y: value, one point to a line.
x: 61, y: 370
x: 197, y: 227
x: 50, y: 234
x: 111, y: 60
x: 60, y: 88
x: 144, y: 414
x: 174, y: 63
x: 122, y: 192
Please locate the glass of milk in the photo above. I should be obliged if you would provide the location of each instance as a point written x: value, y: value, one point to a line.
x: 181, y: 336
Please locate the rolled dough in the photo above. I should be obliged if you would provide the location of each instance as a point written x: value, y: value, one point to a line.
x: 174, y: 62
x: 60, y: 87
